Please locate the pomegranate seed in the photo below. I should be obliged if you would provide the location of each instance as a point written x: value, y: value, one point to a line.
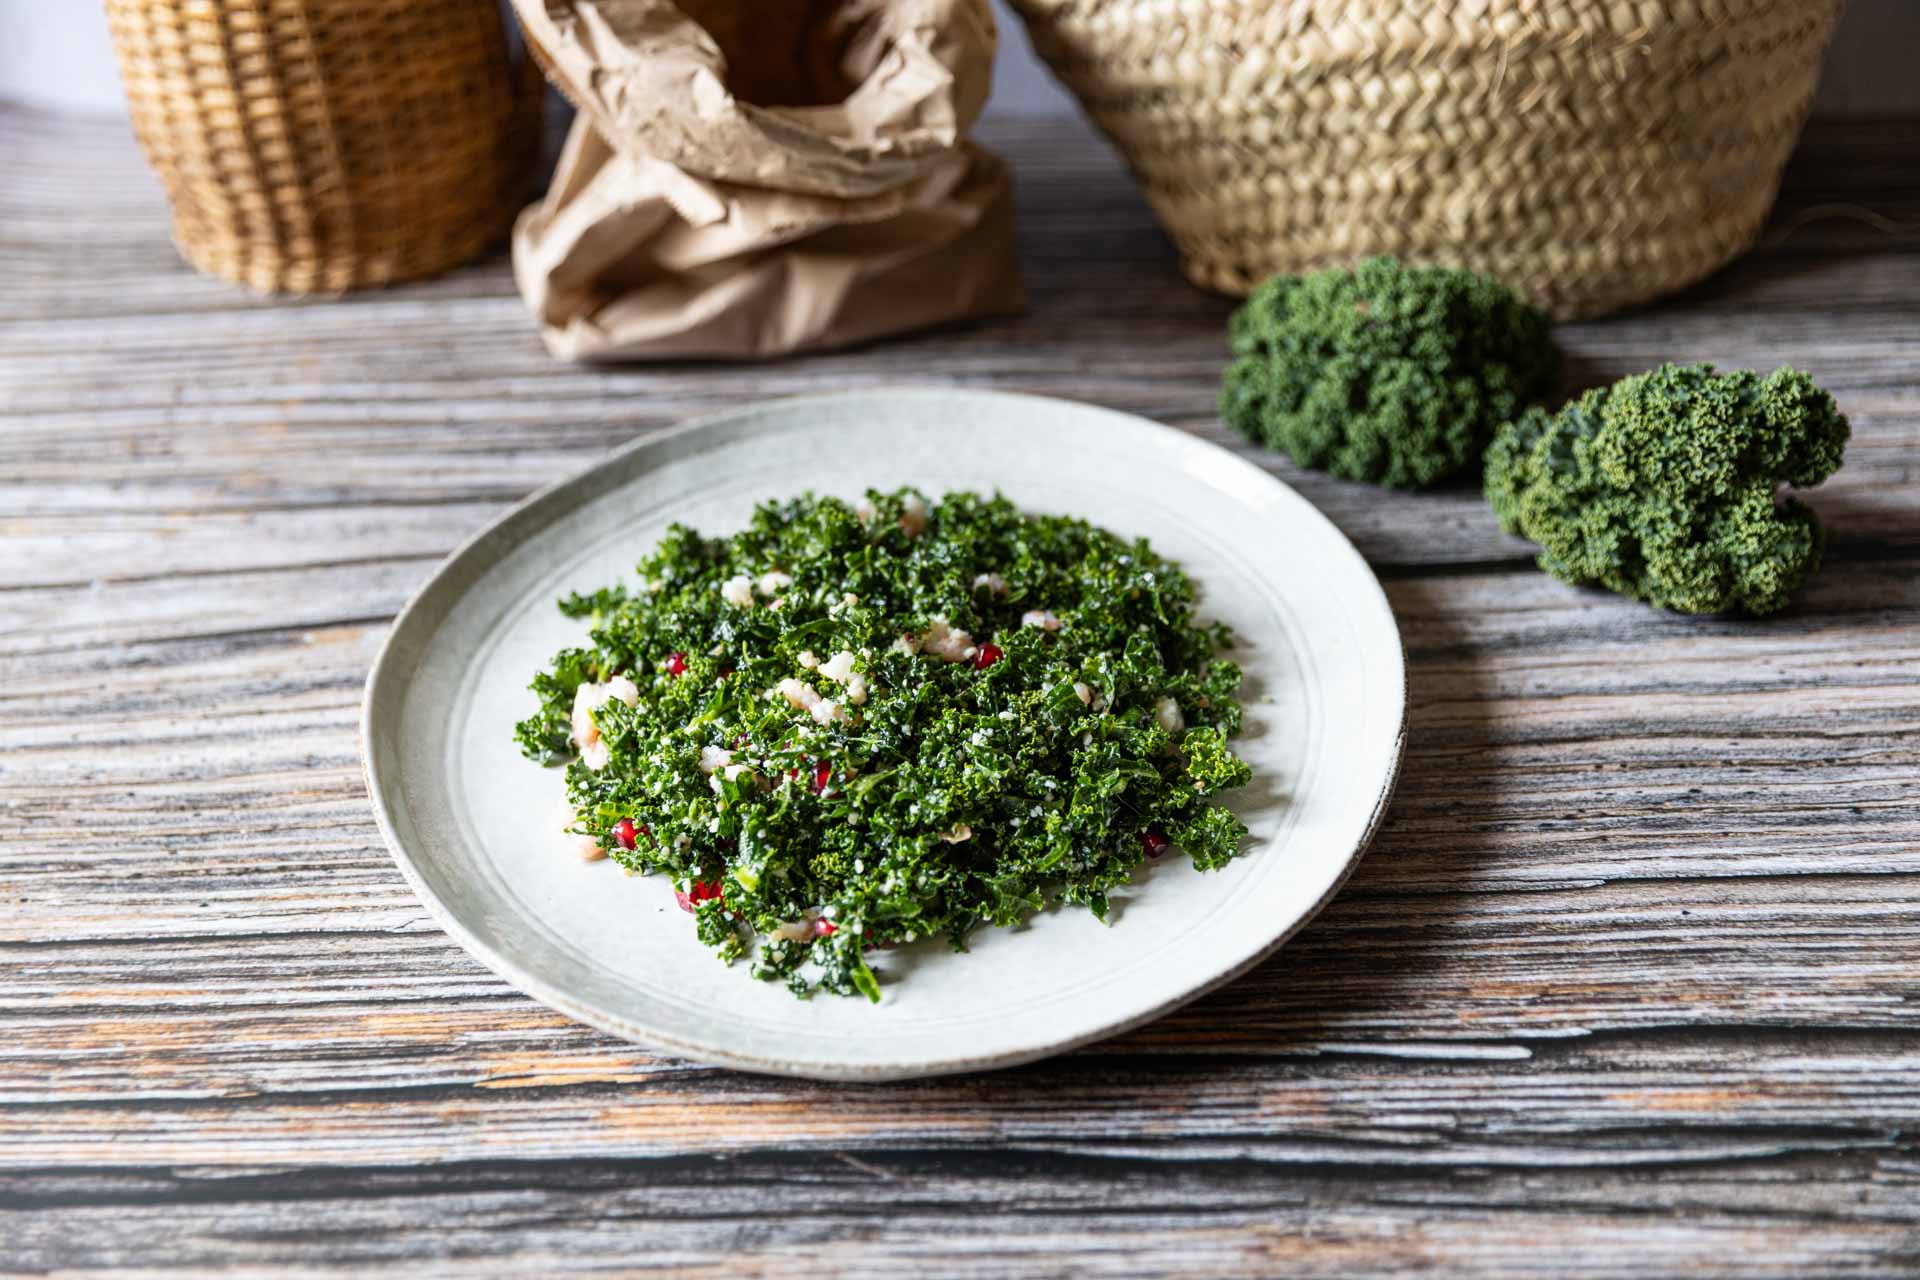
x: 824, y: 928
x: 676, y: 664
x: 822, y: 775
x: 986, y: 655
x: 624, y: 831
x: 1154, y: 842
x: 700, y: 892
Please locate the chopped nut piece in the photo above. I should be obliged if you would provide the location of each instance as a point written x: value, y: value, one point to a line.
x: 1168, y: 713
x: 738, y: 591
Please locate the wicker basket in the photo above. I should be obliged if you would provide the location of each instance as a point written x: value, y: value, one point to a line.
x: 329, y: 144
x: 1591, y: 153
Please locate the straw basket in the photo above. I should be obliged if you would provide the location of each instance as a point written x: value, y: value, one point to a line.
x: 329, y: 144
x: 1591, y: 153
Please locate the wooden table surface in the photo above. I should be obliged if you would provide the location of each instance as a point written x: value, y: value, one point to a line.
x: 1629, y: 984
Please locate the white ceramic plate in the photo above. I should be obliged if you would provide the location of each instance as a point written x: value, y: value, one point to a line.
x: 471, y: 822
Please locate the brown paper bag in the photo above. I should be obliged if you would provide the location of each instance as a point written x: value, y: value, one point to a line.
x: 753, y: 177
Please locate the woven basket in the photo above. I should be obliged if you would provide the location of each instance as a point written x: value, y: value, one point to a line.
x: 1591, y: 153
x: 329, y: 144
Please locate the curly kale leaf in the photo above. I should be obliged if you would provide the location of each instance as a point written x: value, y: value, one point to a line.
x: 1211, y: 763
x: 1662, y: 486
x: 1388, y: 374
x: 547, y: 735
x: 594, y: 604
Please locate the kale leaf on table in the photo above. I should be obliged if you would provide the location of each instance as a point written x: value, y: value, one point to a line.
x: 1662, y: 486
x: 1385, y: 373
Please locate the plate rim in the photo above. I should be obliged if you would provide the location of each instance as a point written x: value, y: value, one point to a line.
x: 412, y: 614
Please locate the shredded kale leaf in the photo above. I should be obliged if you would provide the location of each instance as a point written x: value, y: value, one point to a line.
x: 845, y: 728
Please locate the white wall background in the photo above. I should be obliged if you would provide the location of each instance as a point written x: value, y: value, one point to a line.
x: 54, y: 54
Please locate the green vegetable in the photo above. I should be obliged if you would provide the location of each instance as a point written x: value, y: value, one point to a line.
x: 932, y: 796
x: 1662, y: 486
x: 1389, y: 374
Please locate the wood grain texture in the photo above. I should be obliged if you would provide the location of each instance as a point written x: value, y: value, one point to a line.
x: 1627, y: 986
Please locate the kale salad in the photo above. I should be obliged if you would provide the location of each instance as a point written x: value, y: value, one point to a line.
x: 852, y: 726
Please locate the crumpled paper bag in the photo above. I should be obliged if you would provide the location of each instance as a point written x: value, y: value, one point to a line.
x: 755, y: 177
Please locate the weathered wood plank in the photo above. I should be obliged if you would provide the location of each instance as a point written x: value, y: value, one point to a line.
x: 1441, y: 977
x: 1609, y: 1101
x: 1019, y: 1211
